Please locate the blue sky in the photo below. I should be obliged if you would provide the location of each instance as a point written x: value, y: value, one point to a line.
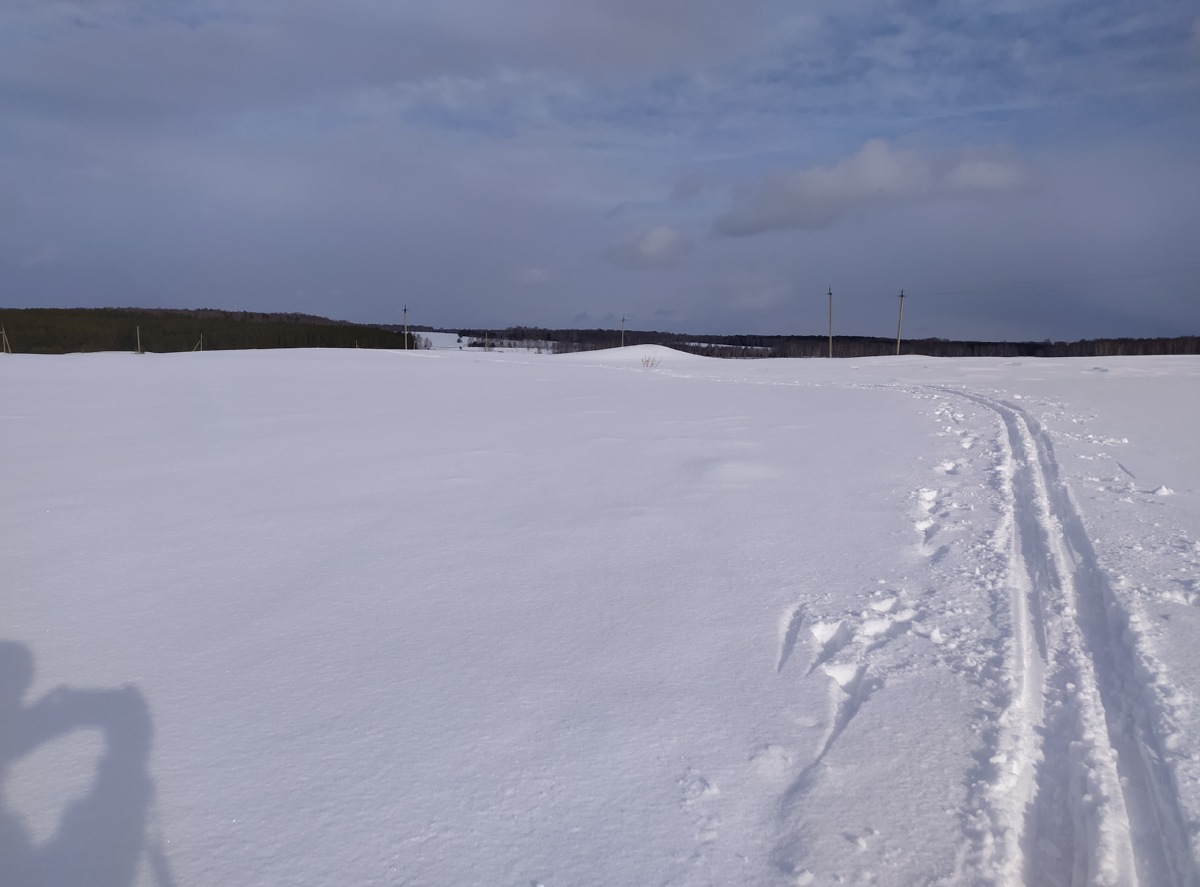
x: 1021, y: 170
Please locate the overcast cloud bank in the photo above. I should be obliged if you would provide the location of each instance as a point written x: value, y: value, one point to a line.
x: 349, y: 160
x: 817, y: 197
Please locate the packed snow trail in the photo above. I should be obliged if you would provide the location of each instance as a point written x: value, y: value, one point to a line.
x: 1099, y: 808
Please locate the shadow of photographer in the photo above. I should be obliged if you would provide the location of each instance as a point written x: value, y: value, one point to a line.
x: 102, y: 836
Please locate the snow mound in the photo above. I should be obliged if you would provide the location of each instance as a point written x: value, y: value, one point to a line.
x: 638, y: 356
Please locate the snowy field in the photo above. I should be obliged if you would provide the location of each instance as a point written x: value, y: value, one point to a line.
x: 630, y: 617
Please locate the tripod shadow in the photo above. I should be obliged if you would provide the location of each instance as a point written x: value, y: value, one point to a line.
x: 102, y: 836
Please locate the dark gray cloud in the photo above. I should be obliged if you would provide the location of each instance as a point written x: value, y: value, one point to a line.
x: 687, y: 187
x: 466, y: 157
x: 650, y: 248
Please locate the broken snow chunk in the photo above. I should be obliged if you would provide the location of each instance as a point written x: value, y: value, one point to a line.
x: 884, y: 606
x: 825, y: 631
x: 1164, y: 491
x: 936, y: 635
x: 847, y: 675
x: 873, y: 628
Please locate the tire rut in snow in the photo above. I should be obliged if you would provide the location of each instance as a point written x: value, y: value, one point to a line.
x: 1081, y: 795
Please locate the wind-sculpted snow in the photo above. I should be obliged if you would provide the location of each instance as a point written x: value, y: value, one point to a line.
x: 604, y: 618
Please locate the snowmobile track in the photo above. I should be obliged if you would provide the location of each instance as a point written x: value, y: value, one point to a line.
x: 1080, y: 795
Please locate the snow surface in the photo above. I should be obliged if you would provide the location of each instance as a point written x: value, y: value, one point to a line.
x: 612, y: 618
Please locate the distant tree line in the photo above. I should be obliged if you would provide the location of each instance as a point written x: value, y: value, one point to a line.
x: 742, y: 346
x: 412, y: 328
x: 491, y: 342
x: 63, y: 330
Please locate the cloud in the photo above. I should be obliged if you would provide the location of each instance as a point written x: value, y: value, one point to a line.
x: 877, y: 175
x: 686, y: 188
x: 652, y: 248
x: 534, y: 276
x: 43, y: 256
x: 279, y: 152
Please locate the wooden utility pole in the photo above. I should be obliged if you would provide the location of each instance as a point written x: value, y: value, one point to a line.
x: 831, y: 321
x: 4, y: 341
x: 405, y: 327
x: 622, y: 330
x: 900, y: 324
x: 138, y: 330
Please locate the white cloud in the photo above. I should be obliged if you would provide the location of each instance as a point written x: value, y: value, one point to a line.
x: 650, y: 248
x: 818, y: 197
x: 983, y: 174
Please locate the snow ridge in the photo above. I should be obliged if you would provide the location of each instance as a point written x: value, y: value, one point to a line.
x: 1080, y: 794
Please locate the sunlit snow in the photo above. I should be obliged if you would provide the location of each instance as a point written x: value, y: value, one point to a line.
x: 612, y: 618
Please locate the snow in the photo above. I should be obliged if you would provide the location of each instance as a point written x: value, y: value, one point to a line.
x: 620, y: 617
x: 446, y: 341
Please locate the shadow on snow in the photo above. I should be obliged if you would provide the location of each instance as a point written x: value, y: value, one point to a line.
x: 102, y: 836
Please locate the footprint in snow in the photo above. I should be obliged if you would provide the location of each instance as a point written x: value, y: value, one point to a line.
x: 790, y: 627
x: 695, y: 792
x: 852, y: 686
x: 927, y: 526
x: 772, y: 762
x: 693, y: 787
x: 832, y: 637
x: 883, y: 619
